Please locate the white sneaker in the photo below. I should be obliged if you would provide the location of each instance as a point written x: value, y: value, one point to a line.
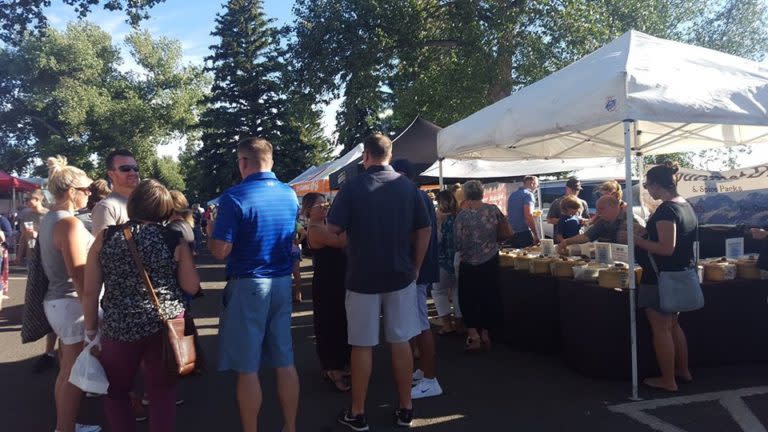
x: 426, y: 388
x: 417, y: 376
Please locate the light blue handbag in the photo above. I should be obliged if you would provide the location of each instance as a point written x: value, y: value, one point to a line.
x: 679, y: 291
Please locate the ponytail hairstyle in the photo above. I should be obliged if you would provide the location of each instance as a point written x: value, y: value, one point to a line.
x: 62, y: 177
x: 664, y: 176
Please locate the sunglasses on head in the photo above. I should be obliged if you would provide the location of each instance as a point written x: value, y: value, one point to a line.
x: 128, y: 168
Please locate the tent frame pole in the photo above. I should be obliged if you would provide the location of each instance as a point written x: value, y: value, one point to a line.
x: 628, y: 148
x: 440, y: 173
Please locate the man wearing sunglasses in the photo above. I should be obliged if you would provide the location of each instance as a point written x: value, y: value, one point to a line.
x: 123, y: 174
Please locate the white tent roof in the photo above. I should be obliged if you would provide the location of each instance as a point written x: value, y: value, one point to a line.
x: 683, y: 98
x: 325, y: 170
x: 309, y: 173
x: 456, y: 168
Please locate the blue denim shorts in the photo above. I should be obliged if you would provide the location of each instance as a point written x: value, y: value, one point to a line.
x: 255, y: 325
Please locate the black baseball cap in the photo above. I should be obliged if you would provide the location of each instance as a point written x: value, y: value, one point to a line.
x: 574, y: 183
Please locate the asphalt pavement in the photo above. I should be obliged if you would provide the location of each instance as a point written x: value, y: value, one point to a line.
x: 501, y: 390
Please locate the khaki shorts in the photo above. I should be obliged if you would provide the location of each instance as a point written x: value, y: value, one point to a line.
x: 401, y: 316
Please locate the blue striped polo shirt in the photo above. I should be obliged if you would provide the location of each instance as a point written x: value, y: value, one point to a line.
x: 258, y: 216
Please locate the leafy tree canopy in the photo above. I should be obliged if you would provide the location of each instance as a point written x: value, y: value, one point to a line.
x: 20, y: 17
x: 63, y: 93
x: 445, y: 59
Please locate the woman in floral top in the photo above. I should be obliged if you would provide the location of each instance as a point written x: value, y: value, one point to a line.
x: 475, y: 236
x: 131, y: 329
x: 447, y: 291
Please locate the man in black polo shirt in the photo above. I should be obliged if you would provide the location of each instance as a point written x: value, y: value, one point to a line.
x: 389, y: 230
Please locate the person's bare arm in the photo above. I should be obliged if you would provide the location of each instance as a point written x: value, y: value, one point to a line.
x: 528, y: 214
x: 92, y: 287
x: 319, y: 237
x: 219, y: 248
x: 667, y: 239
x: 186, y: 273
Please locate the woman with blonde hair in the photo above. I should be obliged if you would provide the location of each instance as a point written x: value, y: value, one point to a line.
x: 64, y: 242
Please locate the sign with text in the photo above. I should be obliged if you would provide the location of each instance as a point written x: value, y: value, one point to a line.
x: 733, y: 197
x: 498, y: 193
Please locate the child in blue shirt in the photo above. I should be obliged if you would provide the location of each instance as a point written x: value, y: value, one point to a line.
x: 570, y: 222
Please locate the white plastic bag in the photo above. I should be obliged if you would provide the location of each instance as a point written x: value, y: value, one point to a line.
x: 87, y: 372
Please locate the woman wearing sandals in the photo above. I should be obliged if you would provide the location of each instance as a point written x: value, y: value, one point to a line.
x: 446, y: 293
x: 328, y: 292
x: 475, y: 235
x: 671, y: 234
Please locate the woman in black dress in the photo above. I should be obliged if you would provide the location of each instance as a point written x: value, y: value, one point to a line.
x: 328, y: 292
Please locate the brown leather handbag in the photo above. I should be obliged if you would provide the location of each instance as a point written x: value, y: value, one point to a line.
x: 179, y: 356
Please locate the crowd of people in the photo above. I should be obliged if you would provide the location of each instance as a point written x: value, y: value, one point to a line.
x: 377, y: 250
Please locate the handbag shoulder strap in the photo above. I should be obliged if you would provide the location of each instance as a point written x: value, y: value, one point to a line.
x: 140, y: 266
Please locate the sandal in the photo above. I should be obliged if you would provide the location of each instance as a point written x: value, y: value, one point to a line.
x: 339, y: 384
x: 472, y: 345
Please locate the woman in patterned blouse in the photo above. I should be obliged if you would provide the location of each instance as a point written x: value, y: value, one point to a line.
x: 130, y: 330
x: 475, y: 236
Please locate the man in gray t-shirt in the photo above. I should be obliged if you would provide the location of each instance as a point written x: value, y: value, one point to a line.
x: 123, y: 173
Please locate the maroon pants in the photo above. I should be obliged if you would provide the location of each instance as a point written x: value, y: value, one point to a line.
x: 121, y: 361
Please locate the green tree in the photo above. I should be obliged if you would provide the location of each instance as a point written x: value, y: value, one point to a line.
x: 250, y: 97
x: 448, y: 59
x: 62, y: 93
x: 20, y: 17
x: 168, y: 172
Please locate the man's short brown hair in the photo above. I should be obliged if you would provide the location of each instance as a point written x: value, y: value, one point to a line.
x: 529, y: 178
x: 378, y: 146
x: 150, y: 202
x: 255, y: 147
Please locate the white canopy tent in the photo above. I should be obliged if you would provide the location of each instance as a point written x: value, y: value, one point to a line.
x: 475, y: 168
x: 637, y: 95
x: 317, y: 179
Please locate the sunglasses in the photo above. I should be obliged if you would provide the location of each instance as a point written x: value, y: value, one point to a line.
x: 128, y: 168
x: 85, y: 189
x: 325, y: 204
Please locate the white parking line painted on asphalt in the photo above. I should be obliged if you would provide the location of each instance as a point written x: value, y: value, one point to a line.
x: 731, y: 400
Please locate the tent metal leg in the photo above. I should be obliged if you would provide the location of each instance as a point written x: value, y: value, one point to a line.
x: 440, y: 173
x: 628, y: 135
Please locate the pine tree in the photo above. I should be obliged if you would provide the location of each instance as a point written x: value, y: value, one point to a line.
x: 249, y: 98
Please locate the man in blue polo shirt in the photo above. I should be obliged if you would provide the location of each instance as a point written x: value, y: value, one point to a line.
x: 254, y: 231
x: 520, y: 207
x: 388, y: 231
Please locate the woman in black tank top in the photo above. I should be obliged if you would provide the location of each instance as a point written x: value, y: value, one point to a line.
x: 671, y: 233
x: 328, y: 291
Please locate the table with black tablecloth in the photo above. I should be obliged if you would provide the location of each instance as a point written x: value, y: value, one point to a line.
x: 531, y: 313
x: 593, y: 335
x: 594, y: 322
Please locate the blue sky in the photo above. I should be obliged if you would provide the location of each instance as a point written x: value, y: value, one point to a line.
x: 191, y: 22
